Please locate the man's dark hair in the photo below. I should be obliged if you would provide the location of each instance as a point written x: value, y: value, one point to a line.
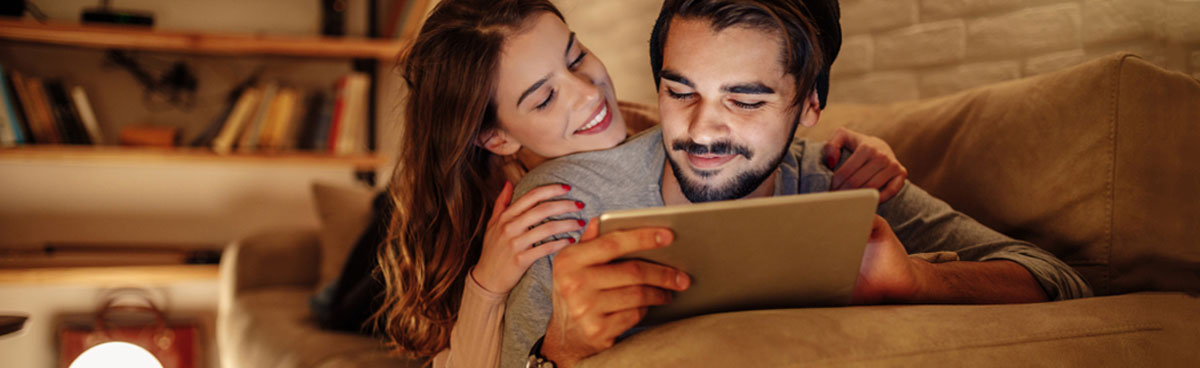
x: 811, y: 33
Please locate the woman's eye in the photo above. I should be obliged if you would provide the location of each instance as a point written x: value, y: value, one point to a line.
x: 678, y: 96
x: 544, y: 104
x: 578, y: 60
x: 749, y: 106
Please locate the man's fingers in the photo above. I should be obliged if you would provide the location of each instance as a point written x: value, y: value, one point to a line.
x: 864, y: 174
x: 892, y: 188
x: 608, y: 247
x: 634, y: 272
x: 591, y: 231
x: 502, y: 201
x: 533, y: 197
x: 630, y: 298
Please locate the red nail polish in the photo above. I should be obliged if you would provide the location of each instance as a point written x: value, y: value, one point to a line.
x: 579, y: 204
x: 570, y: 240
x: 581, y: 223
x: 566, y: 187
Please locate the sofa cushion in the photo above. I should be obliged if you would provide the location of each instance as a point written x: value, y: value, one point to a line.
x: 273, y: 328
x: 1149, y: 329
x: 345, y: 212
x: 1082, y: 162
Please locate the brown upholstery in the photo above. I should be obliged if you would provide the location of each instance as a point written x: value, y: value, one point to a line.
x: 1089, y: 163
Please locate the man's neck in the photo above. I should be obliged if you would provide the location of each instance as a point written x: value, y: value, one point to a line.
x: 672, y: 193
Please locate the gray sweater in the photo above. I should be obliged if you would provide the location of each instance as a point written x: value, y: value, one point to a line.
x: 629, y: 176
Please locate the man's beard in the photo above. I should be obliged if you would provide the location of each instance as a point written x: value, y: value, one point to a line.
x: 742, y: 185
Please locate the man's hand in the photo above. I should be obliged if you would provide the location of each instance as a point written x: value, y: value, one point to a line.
x: 595, y: 300
x: 886, y: 273
x: 889, y: 275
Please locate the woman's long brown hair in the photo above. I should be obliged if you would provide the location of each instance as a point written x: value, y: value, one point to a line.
x: 444, y: 182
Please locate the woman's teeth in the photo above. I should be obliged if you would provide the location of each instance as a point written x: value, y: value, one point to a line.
x: 595, y: 121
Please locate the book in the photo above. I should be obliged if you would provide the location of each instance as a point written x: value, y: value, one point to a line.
x: 275, y: 132
x: 249, y: 139
x: 13, y: 121
x: 43, y: 123
x: 314, y: 130
x: 338, y: 114
x: 65, y: 114
x: 18, y: 108
x: 352, y: 132
x: 236, y: 122
x: 83, y: 106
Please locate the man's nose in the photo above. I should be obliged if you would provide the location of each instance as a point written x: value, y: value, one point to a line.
x: 708, y: 123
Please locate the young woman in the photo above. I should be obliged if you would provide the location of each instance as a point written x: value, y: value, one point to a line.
x: 489, y: 79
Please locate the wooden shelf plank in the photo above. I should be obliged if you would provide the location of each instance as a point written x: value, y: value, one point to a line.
x: 198, y: 43
x: 151, y: 154
x: 107, y: 276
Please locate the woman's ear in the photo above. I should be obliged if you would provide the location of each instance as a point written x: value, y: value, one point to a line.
x: 812, y: 110
x: 498, y: 141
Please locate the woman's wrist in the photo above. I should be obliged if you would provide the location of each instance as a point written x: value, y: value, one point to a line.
x: 485, y: 289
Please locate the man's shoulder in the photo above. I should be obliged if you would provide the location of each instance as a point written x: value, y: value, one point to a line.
x: 604, y: 168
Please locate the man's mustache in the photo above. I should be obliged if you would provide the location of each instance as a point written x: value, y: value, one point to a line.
x: 716, y: 148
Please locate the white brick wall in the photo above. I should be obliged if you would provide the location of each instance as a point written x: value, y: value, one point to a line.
x: 899, y: 50
x: 911, y: 49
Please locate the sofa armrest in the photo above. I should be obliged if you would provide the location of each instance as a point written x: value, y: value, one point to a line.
x: 273, y: 258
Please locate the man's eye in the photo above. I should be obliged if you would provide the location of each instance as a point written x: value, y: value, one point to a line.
x: 545, y: 103
x: 749, y: 106
x: 578, y: 60
x: 678, y: 96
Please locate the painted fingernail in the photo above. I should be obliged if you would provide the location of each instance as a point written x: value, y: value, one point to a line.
x: 566, y: 187
x: 570, y: 240
x: 581, y: 223
x: 579, y: 204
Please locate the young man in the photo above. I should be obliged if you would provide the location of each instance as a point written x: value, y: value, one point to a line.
x: 735, y: 80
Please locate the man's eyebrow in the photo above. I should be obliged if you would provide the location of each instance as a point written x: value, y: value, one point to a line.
x: 674, y: 76
x: 756, y: 88
x: 532, y: 88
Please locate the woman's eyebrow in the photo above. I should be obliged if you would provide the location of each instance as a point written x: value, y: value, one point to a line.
x: 540, y: 82
x: 570, y: 42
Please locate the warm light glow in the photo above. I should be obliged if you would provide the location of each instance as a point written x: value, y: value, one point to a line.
x: 116, y: 354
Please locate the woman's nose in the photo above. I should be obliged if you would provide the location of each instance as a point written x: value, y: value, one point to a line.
x: 585, y: 91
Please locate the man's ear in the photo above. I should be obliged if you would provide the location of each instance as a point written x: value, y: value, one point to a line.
x: 812, y: 110
x: 498, y: 141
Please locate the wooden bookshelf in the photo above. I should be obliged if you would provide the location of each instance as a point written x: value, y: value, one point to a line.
x: 107, y: 276
x: 135, y: 38
x: 109, y: 154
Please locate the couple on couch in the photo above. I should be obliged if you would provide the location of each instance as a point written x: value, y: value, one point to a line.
x: 735, y: 79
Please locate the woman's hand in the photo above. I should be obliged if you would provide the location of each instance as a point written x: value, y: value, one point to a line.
x: 871, y: 165
x: 511, y: 232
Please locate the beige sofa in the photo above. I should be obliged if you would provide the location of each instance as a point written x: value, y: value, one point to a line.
x: 1096, y: 164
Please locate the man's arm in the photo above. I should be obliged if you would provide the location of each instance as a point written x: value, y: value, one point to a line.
x: 995, y: 268
x: 889, y: 275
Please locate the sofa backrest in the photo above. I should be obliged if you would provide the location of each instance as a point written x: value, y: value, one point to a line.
x: 1096, y: 164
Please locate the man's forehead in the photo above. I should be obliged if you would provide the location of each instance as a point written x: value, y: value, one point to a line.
x: 736, y: 54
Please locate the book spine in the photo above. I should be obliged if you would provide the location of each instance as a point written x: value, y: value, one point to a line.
x: 237, y: 120
x: 352, y: 138
x: 249, y: 140
x: 12, y: 106
x: 41, y: 108
x: 87, y: 116
x: 65, y: 114
x: 338, y: 115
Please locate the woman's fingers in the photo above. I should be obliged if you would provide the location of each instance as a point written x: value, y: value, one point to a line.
x: 854, y: 164
x: 532, y: 198
x: 528, y: 256
x: 541, y: 213
x: 892, y: 188
x: 502, y: 201
x: 546, y: 230
x: 833, y: 148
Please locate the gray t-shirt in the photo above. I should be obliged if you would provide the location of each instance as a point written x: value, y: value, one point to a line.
x: 629, y: 176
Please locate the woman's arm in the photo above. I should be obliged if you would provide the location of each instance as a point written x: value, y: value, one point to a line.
x: 475, y: 338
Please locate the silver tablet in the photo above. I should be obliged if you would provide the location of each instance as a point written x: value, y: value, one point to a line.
x: 765, y: 253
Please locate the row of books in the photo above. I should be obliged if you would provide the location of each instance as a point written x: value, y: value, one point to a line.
x: 271, y: 117
x: 44, y: 112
